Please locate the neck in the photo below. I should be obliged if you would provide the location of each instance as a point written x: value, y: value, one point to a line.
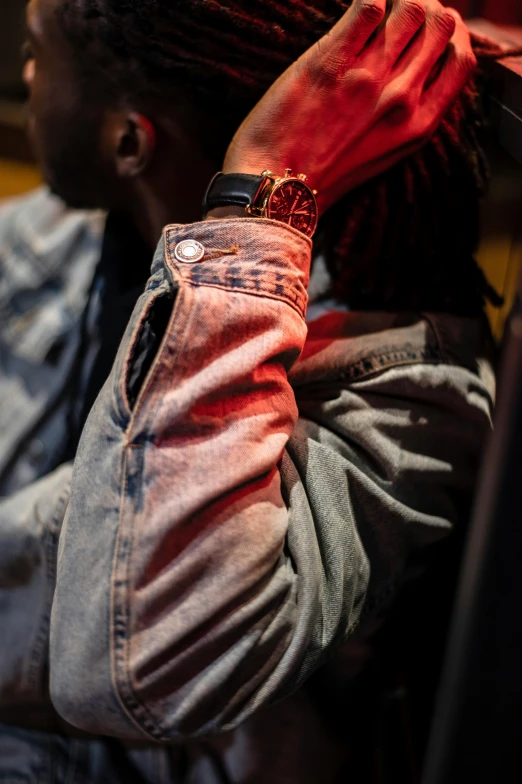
x: 173, y: 190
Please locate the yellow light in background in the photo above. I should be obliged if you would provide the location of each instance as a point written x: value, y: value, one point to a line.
x: 16, y: 178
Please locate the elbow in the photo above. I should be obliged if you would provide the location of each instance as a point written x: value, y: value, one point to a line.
x: 81, y: 683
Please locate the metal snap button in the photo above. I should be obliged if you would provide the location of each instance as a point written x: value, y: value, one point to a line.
x: 189, y: 251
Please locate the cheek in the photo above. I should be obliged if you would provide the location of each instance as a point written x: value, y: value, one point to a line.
x: 47, y: 126
x: 47, y: 117
x: 46, y: 93
x: 36, y: 105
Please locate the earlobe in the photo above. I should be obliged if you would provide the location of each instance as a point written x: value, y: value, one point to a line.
x: 136, y: 145
x: 147, y: 129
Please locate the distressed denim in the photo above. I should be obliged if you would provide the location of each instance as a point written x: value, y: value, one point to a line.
x: 232, y: 527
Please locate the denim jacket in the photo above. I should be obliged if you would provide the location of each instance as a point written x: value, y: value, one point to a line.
x: 229, y: 523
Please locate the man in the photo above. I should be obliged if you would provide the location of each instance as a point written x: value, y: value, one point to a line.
x: 216, y: 548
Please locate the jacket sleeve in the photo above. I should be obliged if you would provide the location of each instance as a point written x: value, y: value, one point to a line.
x: 210, y: 553
x: 30, y: 522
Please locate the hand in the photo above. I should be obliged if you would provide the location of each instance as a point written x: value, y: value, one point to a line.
x: 363, y: 97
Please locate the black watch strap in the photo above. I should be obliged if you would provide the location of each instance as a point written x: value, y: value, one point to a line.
x: 226, y: 190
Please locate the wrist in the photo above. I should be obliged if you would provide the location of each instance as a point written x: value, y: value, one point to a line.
x: 229, y: 211
x: 285, y: 198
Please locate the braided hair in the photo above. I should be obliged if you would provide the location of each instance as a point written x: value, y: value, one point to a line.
x: 404, y: 240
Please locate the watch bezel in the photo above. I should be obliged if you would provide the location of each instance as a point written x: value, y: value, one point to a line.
x: 279, y: 183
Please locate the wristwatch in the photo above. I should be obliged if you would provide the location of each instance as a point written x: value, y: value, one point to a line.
x: 287, y: 199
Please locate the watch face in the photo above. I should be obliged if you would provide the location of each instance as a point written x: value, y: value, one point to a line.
x: 293, y: 202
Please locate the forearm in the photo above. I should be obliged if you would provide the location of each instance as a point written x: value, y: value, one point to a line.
x: 171, y: 558
x: 214, y: 549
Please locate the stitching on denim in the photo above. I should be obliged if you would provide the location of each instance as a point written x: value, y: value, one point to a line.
x: 133, y: 707
x: 171, y: 228
x: 166, y: 345
x: 133, y: 341
x: 119, y: 619
x: 297, y: 306
x: 136, y: 490
x: 215, y: 253
x: 374, y: 363
x: 249, y: 284
x: 149, y: 379
x: 137, y: 711
x: 438, y: 335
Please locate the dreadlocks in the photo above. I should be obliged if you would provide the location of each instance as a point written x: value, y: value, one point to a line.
x: 405, y: 240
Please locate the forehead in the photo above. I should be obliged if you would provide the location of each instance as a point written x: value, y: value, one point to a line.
x: 41, y: 19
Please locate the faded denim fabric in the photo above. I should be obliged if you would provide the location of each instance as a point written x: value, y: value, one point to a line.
x: 228, y: 531
x: 48, y: 255
x: 212, y: 538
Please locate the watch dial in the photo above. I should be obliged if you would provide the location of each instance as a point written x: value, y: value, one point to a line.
x: 293, y: 202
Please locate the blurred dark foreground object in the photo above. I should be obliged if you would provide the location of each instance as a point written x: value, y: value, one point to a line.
x: 477, y: 732
x: 505, y: 86
x: 475, y: 709
x: 13, y: 140
x: 477, y: 729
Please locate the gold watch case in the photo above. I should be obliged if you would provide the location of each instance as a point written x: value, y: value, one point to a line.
x: 287, y: 199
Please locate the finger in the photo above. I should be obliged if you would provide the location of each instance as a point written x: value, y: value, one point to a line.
x: 407, y: 17
x: 458, y: 68
x: 353, y: 31
x: 428, y: 46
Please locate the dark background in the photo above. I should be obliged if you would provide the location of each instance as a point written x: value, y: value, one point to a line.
x: 11, y: 37
x: 499, y: 11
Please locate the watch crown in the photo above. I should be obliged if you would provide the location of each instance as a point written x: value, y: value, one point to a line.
x: 302, y: 177
x: 288, y: 172
x: 315, y: 193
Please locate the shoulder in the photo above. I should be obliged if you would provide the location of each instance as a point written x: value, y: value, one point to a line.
x: 48, y: 254
x: 41, y: 238
x: 394, y: 410
x: 41, y: 223
x: 351, y: 347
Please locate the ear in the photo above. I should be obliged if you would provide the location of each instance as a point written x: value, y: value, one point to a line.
x: 132, y: 142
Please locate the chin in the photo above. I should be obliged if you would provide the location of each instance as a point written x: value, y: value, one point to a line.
x: 72, y: 196
x: 73, y: 201
x: 74, y: 177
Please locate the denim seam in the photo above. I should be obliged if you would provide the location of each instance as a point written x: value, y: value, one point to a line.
x: 438, y: 334
x: 248, y: 284
x: 119, y: 619
x: 130, y: 701
x: 298, y: 304
x: 385, y: 360
x: 374, y: 363
x: 171, y: 228
x: 144, y: 314
x: 172, y: 341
